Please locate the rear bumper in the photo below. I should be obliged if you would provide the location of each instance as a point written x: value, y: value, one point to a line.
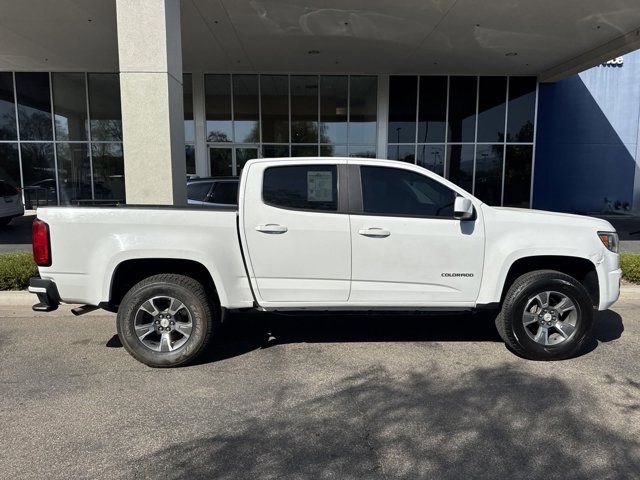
x: 47, y: 292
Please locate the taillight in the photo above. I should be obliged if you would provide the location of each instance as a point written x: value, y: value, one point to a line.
x: 41, y: 243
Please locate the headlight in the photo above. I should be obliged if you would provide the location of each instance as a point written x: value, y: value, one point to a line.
x: 609, y: 240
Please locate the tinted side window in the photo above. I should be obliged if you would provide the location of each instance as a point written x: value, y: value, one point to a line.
x: 309, y: 187
x: 198, y: 191
x: 392, y: 191
x: 225, y: 193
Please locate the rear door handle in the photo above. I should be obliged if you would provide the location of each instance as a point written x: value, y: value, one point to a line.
x: 374, y: 232
x: 271, y: 228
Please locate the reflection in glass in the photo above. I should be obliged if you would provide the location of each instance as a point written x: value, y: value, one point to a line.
x: 404, y: 153
x: 517, y: 179
x: 69, y: 106
x: 275, y: 151
x: 361, y: 151
x: 7, y: 108
x: 431, y: 157
x: 187, y: 100
x: 333, y: 108
x: 34, y: 106
x: 304, y: 150
x: 220, y: 162
x: 432, y: 109
x: 462, y: 109
x: 402, y: 108
x: 243, y: 155
x: 488, y: 186
x: 363, y: 109
x: 522, y: 109
x: 460, y: 166
x: 245, y: 108
x: 108, y: 172
x: 491, y: 109
x: 274, y: 90
x: 39, y: 174
x: 74, y: 173
x: 333, y: 150
x: 104, y: 107
x: 217, y: 100
x: 304, y: 109
x: 9, y: 164
x: 190, y: 159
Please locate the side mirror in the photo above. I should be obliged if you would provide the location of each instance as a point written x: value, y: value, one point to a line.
x: 463, y: 208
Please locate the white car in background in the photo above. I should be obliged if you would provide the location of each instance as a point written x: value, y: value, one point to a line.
x: 10, y: 203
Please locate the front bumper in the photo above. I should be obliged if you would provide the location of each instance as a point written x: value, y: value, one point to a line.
x: 47, y: 293
x: 611, y: 292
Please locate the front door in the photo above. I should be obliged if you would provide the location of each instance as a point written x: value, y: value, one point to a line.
x: 297, y: 240
x: 407, y: 249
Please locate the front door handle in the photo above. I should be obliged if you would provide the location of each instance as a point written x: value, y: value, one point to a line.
x: 374, y: 232
x: 271, y: 228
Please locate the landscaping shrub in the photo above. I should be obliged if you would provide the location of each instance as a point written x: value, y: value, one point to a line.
x: 630, y: 263
x: 15, y: 270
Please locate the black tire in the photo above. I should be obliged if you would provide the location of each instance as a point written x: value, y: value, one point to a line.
x: 196, y: 303
x: 511, y: 328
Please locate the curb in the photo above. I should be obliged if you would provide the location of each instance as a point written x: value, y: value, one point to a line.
x: 17, y: 298
x: 23, y: 297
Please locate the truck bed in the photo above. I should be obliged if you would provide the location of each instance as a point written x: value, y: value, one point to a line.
x: 88, y: 243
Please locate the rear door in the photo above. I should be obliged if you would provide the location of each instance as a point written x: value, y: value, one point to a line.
x: 296, y: 234
x: 407, y: 247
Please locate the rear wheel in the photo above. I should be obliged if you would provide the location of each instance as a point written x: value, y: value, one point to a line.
x: 546, y: 315
x: 165, y: 320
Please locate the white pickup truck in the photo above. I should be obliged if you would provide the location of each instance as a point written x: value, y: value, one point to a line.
x: 338, y: 234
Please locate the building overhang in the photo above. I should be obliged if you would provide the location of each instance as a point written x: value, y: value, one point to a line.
x: 546, y: 38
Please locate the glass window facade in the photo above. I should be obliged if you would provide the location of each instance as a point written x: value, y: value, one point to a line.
x: 65, y: 145
x: 288, y: 115
x: 61, y: 133
x: 476, y: 131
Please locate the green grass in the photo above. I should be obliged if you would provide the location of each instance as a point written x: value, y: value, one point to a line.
x: 630, y: 264
x: 15, y: 270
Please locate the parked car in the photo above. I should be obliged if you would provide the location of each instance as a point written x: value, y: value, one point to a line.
x: 328, y: 234
x: 213, y: 191
x: 10, y: 203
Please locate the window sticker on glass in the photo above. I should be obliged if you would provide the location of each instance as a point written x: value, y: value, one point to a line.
x: 319, y: 186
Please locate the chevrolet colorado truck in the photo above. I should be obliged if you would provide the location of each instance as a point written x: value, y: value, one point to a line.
x: 327, y: 234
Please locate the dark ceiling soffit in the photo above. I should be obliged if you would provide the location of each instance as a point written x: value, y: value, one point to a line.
x: 619, y: 46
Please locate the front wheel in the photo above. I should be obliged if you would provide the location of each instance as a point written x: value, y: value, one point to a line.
x: 546, y: 315
x: 165, y: 320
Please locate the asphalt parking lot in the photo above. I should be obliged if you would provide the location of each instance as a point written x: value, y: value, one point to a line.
x: 314, y: 398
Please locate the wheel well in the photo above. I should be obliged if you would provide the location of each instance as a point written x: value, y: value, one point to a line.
x: 581, y: 269
x: 130, y: 272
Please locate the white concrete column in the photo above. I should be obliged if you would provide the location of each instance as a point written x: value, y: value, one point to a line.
x: 199, y: 116
x: 150, y: 55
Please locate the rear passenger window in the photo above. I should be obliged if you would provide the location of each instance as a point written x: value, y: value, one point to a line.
x: 308, y: 187
x: 198, y: 191
x: 394, y: 191
x: 225, y: 193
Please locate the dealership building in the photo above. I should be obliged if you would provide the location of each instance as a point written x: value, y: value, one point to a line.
x: 525, y: 104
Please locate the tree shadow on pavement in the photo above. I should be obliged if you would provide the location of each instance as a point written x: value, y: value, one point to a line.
x: 500, y: 422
